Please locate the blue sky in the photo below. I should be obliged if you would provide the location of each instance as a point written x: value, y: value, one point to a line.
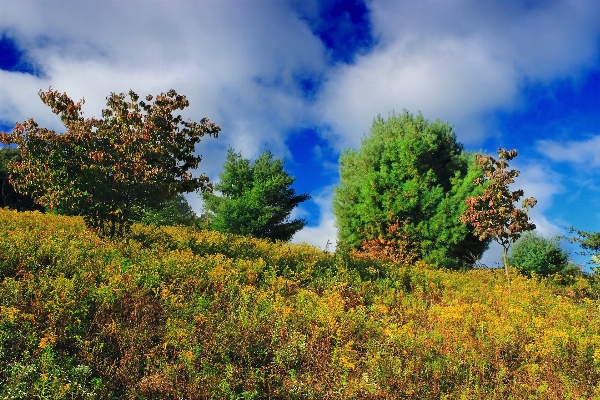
x: 305, y: 79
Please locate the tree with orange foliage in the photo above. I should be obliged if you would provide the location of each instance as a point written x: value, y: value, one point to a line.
x: 493, y: 214
x: 397, y: 245
x: 136, y: 156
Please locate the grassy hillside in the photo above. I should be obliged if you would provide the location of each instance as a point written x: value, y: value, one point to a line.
x: 171, y: 313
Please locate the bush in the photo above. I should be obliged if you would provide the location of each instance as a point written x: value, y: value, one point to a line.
x: 533, y: 253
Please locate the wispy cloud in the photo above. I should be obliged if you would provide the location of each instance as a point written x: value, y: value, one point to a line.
x: 583, y: 153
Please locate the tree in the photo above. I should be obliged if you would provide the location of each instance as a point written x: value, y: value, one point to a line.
x: 493, y: 214
x: 173, y: 212
x: 533, y: 253
x: 8, y: 197
x: 403, y: 191
x: 256, y: 198
x: 589, y: 243
x: 136, y: 156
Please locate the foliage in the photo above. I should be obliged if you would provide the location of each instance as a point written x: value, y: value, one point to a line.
x: 137, y: 154
x: 175, y: 313
x: 256, y: 198
x: 589, y: 242
x: 397, y: 246
x: 535, y: 254
x: 176, y: 211
x: 408, y: 184
x: 493, y: 214
x: 8, y: 197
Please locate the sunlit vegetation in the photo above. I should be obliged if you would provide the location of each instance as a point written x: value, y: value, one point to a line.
x: 170, y: 313
x: 255, y: 198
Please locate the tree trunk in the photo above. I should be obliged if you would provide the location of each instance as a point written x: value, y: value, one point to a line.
x: 506, y: 266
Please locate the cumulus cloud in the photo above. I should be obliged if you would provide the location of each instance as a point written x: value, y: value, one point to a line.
x: 457, y: 61
x: 237, y: 62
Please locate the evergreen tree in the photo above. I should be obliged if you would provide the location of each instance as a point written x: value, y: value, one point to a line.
x: 589, y: 243
x: 406, y: 186
x: 256, y: 198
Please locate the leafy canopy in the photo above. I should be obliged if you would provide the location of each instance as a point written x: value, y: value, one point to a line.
x: 8, y: 196
x: 173, y: 212
x: 403, y: 192
x: 494, y: 214
x: 256, y: 198
x: 136, y: 156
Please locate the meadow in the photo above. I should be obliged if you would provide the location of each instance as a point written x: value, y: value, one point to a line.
x: 171, y: 312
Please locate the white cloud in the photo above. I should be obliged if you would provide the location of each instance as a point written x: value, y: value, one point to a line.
x: 237, y: 63
x: 19, y: 100
x: 539, y: 181
x: 585, y: 153
x: 446, y: 79
x: 324, y: 235
x: 458, y: 61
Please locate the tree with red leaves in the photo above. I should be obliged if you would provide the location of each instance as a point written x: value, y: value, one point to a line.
x: 493, y: 214
x: 136, y: 156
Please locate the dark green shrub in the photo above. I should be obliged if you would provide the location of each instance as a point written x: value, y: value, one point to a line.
x: 8, y: 197
x: 533, y: 253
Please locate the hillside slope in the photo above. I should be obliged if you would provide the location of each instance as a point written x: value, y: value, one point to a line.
x: 171, y: 313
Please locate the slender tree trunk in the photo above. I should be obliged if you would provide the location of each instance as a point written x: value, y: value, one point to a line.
x: 112, y: 226
x: 3, y: 195
x: 506, y: 266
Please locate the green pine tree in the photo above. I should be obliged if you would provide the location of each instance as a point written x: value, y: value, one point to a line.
x: 255, y: 198
x: 408, y: 181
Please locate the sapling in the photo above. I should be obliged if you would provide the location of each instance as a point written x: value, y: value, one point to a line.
x: 494, y: 214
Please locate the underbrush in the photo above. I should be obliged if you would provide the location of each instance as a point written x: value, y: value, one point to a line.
x: 176, y: 313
